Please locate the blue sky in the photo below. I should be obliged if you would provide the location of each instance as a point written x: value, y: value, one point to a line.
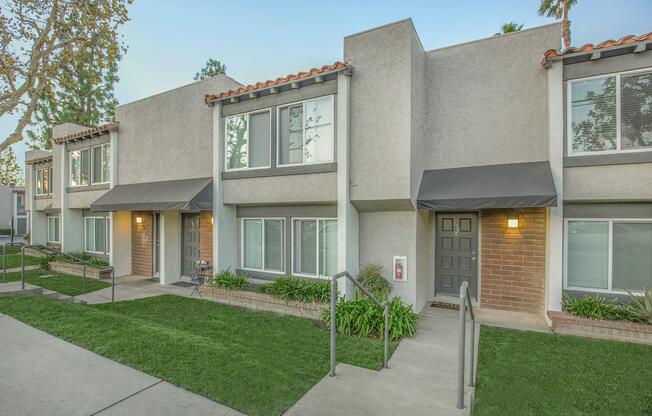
x: 258, y: 40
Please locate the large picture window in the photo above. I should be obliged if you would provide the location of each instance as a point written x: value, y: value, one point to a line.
x: 306, y: 132
x: 53, y: 229
x: 248, y: 140
x: 42, y: 179
x: 79, y: 167
x: 609, y: 255
x: 314, y: 247
x: 96, y: 234
x: 262, y: 244
x: 101, y: 164
x: 610, y: 113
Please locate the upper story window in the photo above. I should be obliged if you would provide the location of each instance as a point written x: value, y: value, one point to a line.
x: 79, y: 167
x: 20, y: 202
x: 42, y: 179
x: 610, y: 113
x: 248, y: 140
x: 101, y: 163
x: 306, y: 132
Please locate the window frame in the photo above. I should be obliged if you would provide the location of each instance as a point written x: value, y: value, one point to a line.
x: 317, y: 234
x: 92, y: 164
x: 248, y: 114
x: 36, y: 173
x: 569, y: 114
x: 278, y: 131
x: 283, y: 245
x: 58, y: 218
x: 611, y: 222
x: 107, y: 221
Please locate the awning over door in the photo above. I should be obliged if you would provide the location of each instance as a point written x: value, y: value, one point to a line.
x: 158, y: 196
x: 513, y: 185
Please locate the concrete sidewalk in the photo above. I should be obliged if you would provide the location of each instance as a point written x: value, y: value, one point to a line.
x: 135, y: 287
x: 44, y: 375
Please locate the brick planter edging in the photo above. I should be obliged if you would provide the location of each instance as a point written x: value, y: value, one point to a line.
x: 78, y: 270
x: 564, y: 323
x: 262, y: 302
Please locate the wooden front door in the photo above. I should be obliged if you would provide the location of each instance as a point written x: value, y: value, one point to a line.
x: 456, y: 252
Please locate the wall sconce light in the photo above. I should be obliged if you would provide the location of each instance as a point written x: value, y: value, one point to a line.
x: 139, y: 220
x: 212, y: 220
x: 512, y: 223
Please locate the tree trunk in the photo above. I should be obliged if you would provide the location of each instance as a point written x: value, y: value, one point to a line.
x: 565, y: 27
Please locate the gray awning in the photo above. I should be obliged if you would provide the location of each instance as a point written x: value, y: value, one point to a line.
x: 158, y: 196
x: 513, y: 185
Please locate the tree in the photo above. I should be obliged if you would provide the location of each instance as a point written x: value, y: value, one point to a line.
x: 40, y: 37
x: 213, y: 67
x: 10, y: 172
x: 509, y: 27
x: 559, y: 10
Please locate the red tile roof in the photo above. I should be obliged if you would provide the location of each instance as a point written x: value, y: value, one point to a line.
x: 38, y: 159
x: 95, y: 131
x: 281, y: 80
x: 552, y: 53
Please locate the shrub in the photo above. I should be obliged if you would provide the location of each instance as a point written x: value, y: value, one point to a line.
x: 227, y: 279
x: 294, y: 289
x: 371, y: 277
x: 597, y: 308
x: 44, y: 263
x: 65, y: 258
x: 364, y: 318
x: 641, y: 306
x: 5, y: 231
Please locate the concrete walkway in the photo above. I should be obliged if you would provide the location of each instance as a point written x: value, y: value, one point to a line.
x: 421, y: 379
x: 135, y: 287
x: 44, y: 375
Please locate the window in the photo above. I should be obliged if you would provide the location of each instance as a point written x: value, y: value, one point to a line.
x: 42, y: 178
x: 248, y: 140
x: 96, y: 234
x: 610, y: 113
x: 314, y: 247
x: 262, y: 244
x: 79, y: 167
x: 609, y: 255
x: 20, y: 203
x: 53, y: 229
x: 101, y: 164
x: 305, y: 132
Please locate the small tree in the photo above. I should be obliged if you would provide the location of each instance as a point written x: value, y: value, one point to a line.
x: 10, y: 172
x: 509, y: 27
x: 213, y: 67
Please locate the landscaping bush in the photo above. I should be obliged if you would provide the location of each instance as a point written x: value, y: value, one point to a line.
x: 63, y: 258
x: 227, y: 279
x: 371, y: 277
x: 294, y: 289
x: 641, y: 306
x: 5, y: 231
x: 44, y: 263
x: 364, y: 318
x: 598, y: 308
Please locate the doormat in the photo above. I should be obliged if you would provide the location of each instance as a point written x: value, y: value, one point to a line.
x: 183, y: 284
x: 445, y: 305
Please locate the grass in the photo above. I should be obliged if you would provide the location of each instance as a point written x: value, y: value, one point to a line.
x: 59, y: 282
x: 530, y: 373
x: 13, y: 257
x: 258, y: 363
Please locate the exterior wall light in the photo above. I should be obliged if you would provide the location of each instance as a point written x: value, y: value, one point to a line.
x: 512, y: 223
x: 139, y: 220
x: 212, y: 220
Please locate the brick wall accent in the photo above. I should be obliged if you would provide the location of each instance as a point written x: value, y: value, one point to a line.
x: 513, y: 260
x: 142, y: 244
x: 206, y: 236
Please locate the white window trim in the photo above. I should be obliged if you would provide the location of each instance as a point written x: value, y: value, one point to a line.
x: 50, y: 240
x: 242, y: 250
x: 106, y: 220
x: 92, y: 163
x: 248, y: 114
x: 303, y: 134
x: 90, y: 168
x: 569, y: 115
x: 610, y: 221
x: 316, y: 275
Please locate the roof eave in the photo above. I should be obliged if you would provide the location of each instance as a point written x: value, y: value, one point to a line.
x: 598, y: 53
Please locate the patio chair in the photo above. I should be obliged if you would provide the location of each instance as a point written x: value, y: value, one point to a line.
x: 200, y: 277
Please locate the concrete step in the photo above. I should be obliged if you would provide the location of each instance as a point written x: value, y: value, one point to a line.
x: 32, y: 291
x: 50, y: 294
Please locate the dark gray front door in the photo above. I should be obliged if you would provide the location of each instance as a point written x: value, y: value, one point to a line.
x: 456, y: 252
x: 190, y: 247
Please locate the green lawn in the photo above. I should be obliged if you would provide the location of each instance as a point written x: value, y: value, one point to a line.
x: 258, y: 363
x: 59, y: 282
x: 13, y: 257
x: 530, y: 373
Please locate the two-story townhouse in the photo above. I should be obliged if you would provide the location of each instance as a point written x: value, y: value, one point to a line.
x: 43, y: 219
x: 13, y: 215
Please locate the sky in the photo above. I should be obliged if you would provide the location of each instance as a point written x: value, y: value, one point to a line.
x: 169, y: 41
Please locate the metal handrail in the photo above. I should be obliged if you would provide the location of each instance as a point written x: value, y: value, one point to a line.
x: 4, y: 257
x: 465, y: 300
x: 384, y: 305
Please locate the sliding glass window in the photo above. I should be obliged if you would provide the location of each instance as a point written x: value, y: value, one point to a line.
x: 262, y: 242
x: 314, y: 242
x: 248, y: 140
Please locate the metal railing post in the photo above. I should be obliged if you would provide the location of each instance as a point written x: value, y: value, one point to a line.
x: 460, y: 358
x: 22, y: 268
x: 386, y: 313
x: 112, y: 284
x: 472, y: 362
x: 4, y: 263
x: 84, y: 280
x: 333, y: 324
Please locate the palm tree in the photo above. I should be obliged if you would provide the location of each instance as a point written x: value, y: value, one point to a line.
x: 559, y: 10
x: 509, y: 27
